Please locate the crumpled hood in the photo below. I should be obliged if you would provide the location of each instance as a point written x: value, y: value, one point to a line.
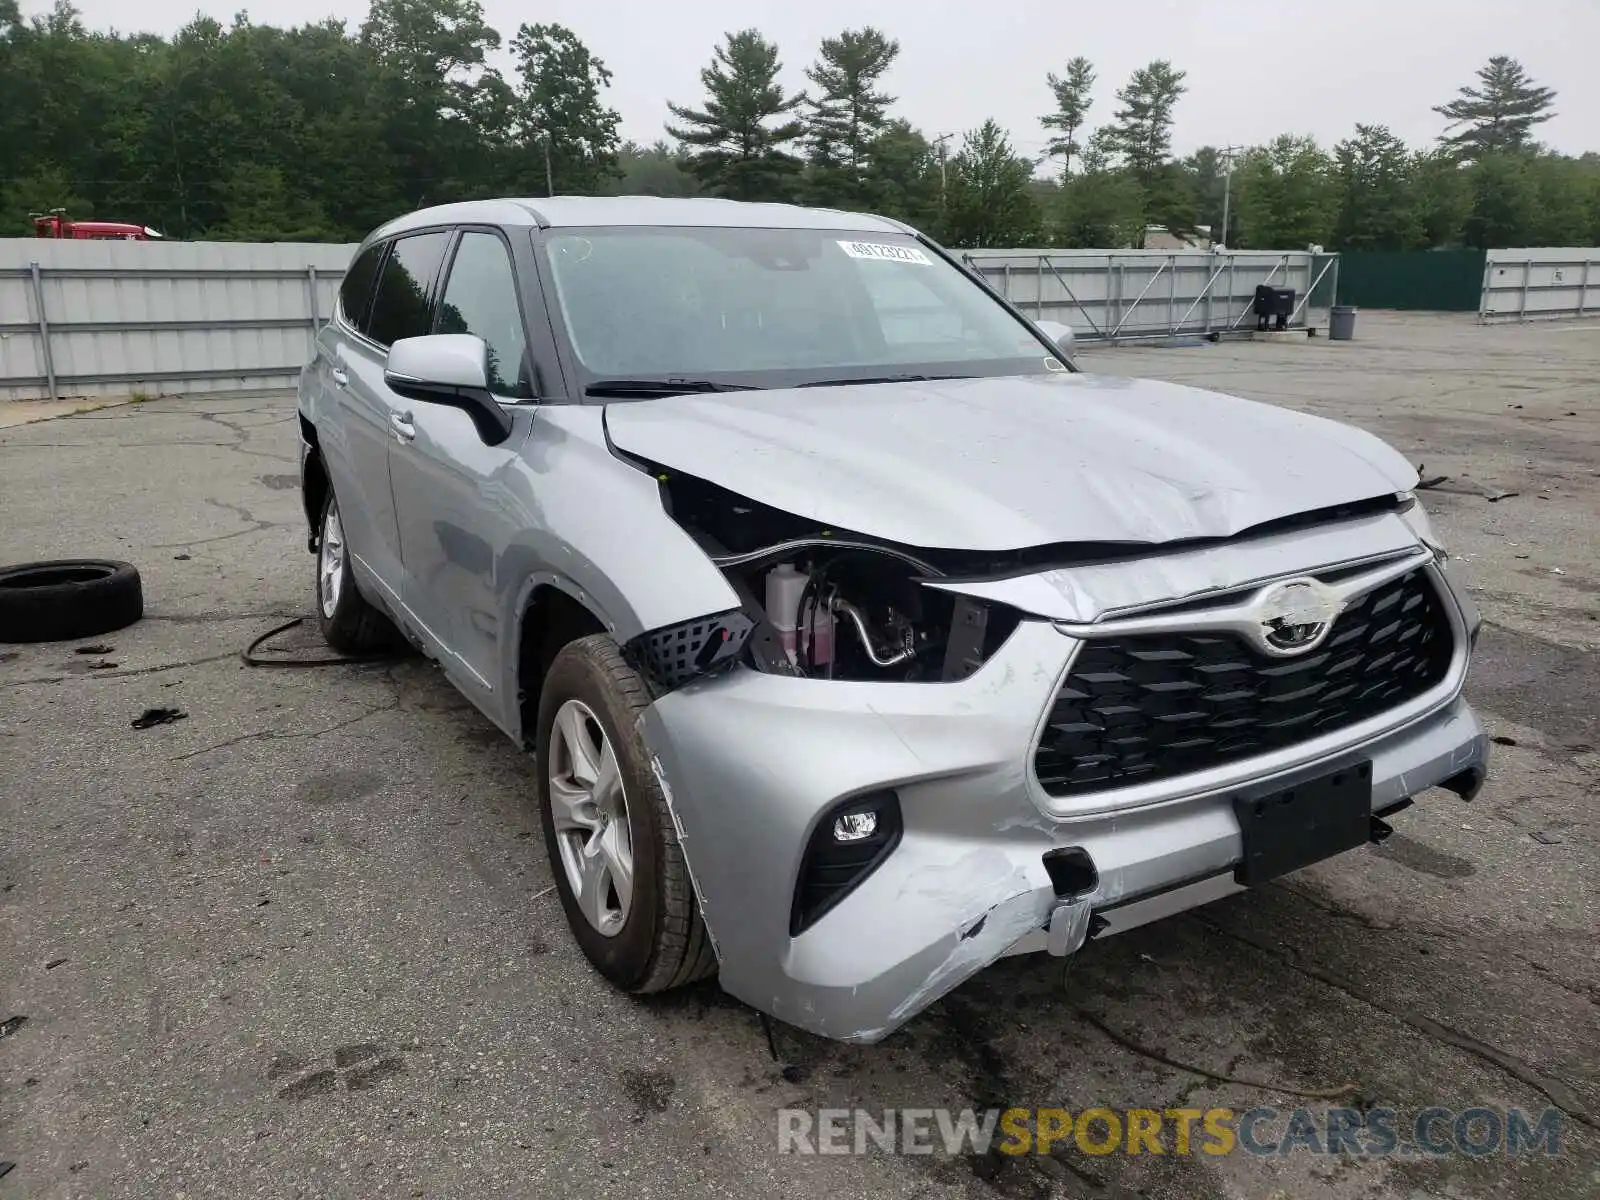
x: 1004, y: 464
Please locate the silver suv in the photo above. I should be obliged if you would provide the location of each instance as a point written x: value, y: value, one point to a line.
x: 861, y: 638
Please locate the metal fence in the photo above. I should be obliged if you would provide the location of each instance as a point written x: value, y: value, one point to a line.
x: 1144, y: 295
x: 115, y: 318
x: 1545, y: 284
x: 119, y: 318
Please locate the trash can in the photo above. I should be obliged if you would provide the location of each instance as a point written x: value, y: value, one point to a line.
x: 1341, y: 323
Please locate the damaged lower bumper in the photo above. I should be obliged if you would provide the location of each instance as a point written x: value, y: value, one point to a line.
x: 980, y: 868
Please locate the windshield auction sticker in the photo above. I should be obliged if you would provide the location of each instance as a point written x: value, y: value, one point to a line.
x: 885, y: 253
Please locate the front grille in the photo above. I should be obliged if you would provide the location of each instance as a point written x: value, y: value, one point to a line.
x: 1152, y: 706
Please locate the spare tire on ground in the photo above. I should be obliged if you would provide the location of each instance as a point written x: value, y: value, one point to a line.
x: 66, y: 599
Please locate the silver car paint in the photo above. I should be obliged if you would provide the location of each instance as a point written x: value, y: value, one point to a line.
x: 553, y: 499
x: 967, y: 883
x: 355, y: 450
x: 1004, y: 464
x: 557, y: 212
x: 1096, y: 590
x: 749, y: 760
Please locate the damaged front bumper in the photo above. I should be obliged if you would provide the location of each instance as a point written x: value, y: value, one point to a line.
x: 752, y: 763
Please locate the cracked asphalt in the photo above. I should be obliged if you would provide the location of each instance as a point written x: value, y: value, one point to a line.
x: 300, y: 943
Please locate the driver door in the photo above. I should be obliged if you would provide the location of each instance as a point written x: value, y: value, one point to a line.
x: 459, y: 501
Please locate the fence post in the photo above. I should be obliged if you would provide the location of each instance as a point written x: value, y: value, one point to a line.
x: 1206, y: 292
x: 44, y: 331
x: 311, y: 282
x: 1122, y: 282
x: 1172, y: 293
x: 1233, y: 263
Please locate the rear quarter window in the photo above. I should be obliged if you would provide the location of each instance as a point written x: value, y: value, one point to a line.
x: 355, y: 293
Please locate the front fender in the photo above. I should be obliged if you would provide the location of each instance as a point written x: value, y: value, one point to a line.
x: 595, y: 527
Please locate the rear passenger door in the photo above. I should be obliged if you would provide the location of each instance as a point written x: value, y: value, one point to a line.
x: 342, y: 437
x: 458, y: 499
x: 402, y: 306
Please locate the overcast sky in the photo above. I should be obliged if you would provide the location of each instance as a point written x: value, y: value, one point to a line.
x: 1255, y: 69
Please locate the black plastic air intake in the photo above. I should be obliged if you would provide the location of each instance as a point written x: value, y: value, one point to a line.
x: 674, y: 654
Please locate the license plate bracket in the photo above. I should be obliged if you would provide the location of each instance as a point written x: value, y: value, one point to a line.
x: 1297, y: 826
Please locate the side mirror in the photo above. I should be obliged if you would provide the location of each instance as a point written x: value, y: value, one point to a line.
x: 450, y: 369
x: 1061, y: 335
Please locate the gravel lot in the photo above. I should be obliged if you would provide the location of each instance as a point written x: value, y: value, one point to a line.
x: 299, y: 943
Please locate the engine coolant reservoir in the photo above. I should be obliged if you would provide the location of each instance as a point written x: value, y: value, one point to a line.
x: 786, y: 586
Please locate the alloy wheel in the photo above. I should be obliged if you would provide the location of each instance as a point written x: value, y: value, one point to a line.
x: 589, y: 807
x: 330, y: 561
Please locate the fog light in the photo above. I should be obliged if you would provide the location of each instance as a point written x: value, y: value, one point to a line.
x: 848, y: 843
x: 855, y: 826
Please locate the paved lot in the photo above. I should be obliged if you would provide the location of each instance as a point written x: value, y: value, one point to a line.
x: 299, y: 943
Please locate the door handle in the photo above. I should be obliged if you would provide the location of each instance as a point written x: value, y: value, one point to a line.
x: 341, y: 377
x: 402, y: 426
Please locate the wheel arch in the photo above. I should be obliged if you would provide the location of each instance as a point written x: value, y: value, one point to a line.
x: 552, y: 612
x: 314, y: 480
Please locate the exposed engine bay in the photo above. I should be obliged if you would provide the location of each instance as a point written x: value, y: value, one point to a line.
x: 842, y: 613
x: 830, y: 604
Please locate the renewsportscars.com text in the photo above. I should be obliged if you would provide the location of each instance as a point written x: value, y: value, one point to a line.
x: 1373, y: 1132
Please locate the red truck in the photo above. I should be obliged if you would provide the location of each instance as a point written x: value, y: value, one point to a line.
x: 55, y: 224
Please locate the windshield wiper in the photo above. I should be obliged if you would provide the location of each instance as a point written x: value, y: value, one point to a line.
x: 661, y: 387
x: 847, y: 381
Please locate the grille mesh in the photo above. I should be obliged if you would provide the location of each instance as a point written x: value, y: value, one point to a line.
x: 1152, y: 706
x: 675, y: 655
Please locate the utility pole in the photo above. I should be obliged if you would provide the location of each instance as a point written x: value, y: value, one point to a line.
x: 943, y: 184
x: 549, y: 176
x: 1227, y: 153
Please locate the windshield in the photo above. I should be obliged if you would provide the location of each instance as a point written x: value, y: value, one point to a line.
x: 777, y: 308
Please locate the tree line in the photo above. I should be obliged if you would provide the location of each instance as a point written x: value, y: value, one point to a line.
x: 320, y: 132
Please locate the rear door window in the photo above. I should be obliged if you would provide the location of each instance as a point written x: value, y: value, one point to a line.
x: 355, y: 293
x: 403, y: 306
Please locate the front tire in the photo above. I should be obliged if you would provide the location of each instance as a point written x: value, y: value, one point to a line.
x: 349, y: 624
x: 611, y: 840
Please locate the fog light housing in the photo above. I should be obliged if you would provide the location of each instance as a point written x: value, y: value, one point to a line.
x: 856, y: 825
x: 849, y: 842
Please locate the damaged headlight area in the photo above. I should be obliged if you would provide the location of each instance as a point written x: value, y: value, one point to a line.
x: 1416, y: 517
x: 817, y: 603
x: 675, y: 654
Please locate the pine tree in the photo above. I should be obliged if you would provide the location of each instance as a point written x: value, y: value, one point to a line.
x: 1102, y: 206
x: 653, y: 170
x: 1141, y: 136
x: 849, y: 113
x: 988, y: 203
x: 1500, y: 114
x: 738, y: 148
x: 1142, y: 129
x: 1373, y: 173
x: 1072, y: 108
x: 904, y: 176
